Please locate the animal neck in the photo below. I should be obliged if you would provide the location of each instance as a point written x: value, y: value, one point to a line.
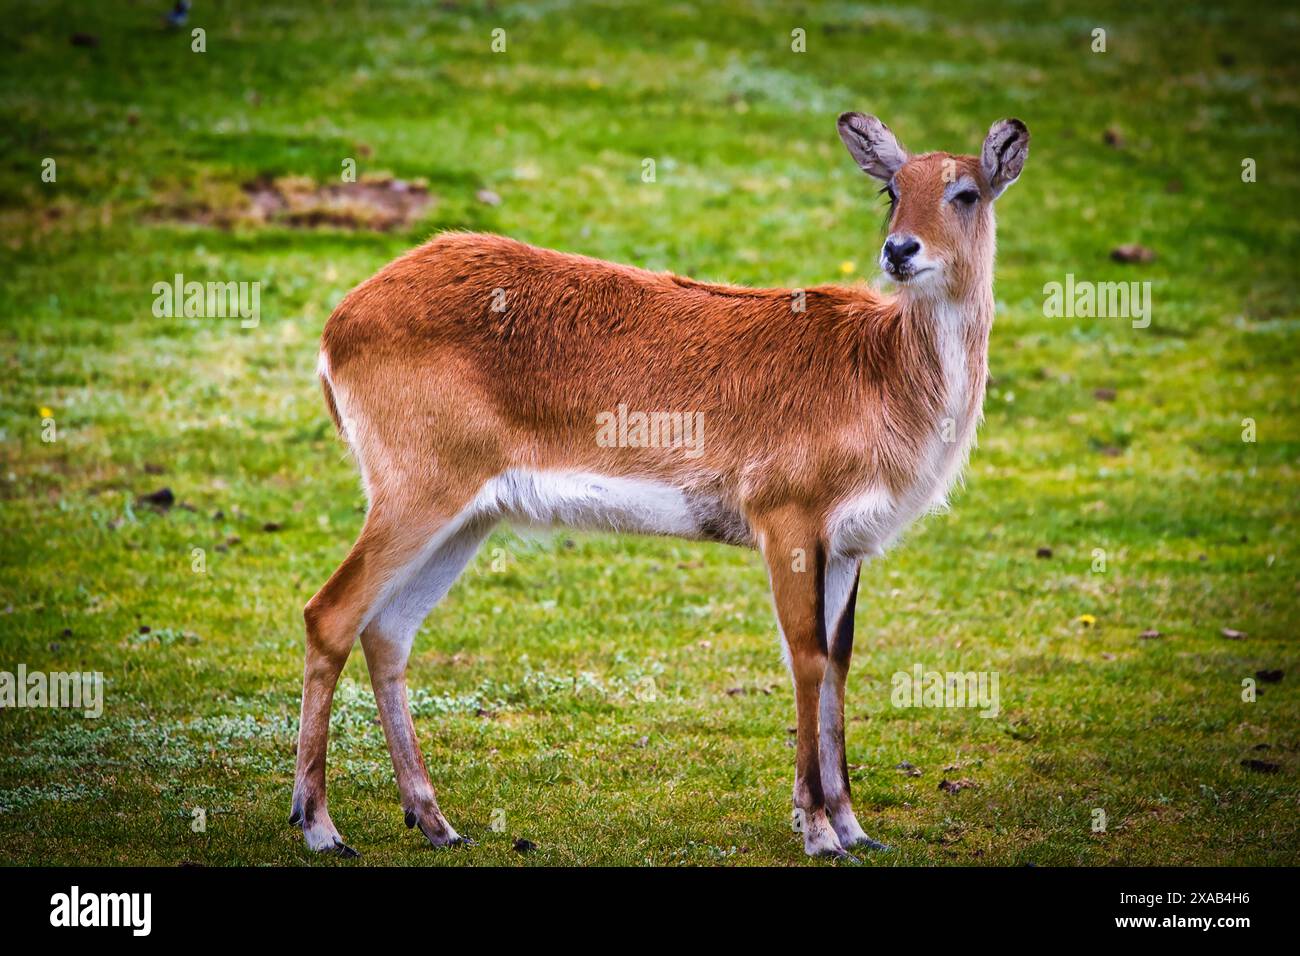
x: 955, y: 331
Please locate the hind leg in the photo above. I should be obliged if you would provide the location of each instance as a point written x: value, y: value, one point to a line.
x: 387, y: 641
x: 393, y: 545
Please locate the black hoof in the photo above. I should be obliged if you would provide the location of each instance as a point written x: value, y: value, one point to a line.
x: 341, y: 849
x: 410, y: 820
x: 295, y: 817
x: 438, y: 838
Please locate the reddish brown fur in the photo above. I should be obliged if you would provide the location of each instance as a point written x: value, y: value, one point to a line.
x: 805, y: 408
x: 856, y: 371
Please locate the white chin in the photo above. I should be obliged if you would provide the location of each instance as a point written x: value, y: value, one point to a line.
x: 928, y: 279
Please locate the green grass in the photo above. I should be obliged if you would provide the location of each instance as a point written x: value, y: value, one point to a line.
x: 528, y: 681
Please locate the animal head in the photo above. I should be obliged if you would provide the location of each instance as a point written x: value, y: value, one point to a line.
x: 941, y: 234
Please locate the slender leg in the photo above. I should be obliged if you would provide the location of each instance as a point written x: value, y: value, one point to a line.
x: 390, y: 547
x: 841, y: 600
x: 387, y: 643
x: 796, y: 557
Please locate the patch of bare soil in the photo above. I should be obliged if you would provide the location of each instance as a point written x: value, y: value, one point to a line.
x: 380, y: 203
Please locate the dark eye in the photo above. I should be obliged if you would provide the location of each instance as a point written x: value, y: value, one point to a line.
x: 893, y: 202
x: 967, y: 197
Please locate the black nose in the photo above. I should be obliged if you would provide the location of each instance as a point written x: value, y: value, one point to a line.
x: 898, y: 249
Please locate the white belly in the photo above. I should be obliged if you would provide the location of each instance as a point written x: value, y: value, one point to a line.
x: 594, y: 502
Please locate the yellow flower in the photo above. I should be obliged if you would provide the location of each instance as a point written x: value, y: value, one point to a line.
x: 1087, y: 620
x: 47, y: 412
x: 848, y: 267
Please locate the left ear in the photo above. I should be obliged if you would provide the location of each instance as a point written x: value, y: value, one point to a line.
x: 1004, y: 154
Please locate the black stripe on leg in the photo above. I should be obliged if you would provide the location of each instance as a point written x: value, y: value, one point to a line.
x: 813, y: 781
x: 844, y: 772
x: 842, y: 647
x: 841, y: 653
x: 820, y: 562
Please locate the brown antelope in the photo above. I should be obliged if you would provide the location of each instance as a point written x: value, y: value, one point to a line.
x: 475, y: 378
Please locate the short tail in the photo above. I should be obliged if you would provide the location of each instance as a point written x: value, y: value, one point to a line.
x: 323, y: 371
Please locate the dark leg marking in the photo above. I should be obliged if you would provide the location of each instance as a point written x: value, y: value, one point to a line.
x: 841, y: 654
x: 820, y: 562
x: 842, y: 647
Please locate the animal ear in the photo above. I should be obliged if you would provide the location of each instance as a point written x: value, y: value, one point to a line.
x: 872, y: 145
x: 1004, y: 154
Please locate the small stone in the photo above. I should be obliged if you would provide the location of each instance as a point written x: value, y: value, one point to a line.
x: 1132, y: 252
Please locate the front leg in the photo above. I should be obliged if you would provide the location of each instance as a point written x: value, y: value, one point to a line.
x: 841, y: 601
x: 795, y: 553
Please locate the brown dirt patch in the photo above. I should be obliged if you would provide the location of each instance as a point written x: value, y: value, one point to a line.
x: 380, y: 203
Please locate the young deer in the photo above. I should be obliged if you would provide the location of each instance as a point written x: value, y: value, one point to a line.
x: 471, y: 378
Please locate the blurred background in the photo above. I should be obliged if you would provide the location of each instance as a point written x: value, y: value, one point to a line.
x: 172, y: 492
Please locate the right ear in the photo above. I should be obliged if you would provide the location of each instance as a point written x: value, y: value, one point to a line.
x: 872, y: 145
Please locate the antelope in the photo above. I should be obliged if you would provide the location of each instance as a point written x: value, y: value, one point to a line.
x: 473, y: 377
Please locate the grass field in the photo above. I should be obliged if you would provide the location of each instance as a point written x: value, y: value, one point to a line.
x: 622, y: 700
